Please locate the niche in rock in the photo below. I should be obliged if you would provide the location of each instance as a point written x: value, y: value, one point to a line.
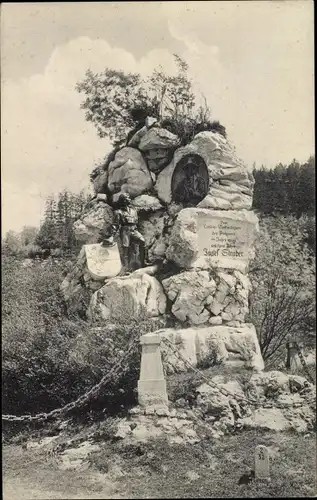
x: 190, y: 181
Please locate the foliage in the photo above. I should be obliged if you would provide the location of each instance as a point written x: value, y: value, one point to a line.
x: 173, y: 93
x: 56, y: 231
x: 20, y: 244
x: 116, y: 102
x: 286, y: 189
x: 111, y: 97
x: 55, y: 235
x: 186, y: 128
x: 283, y: 278
x: 11, y: 244
x: 49, y: 359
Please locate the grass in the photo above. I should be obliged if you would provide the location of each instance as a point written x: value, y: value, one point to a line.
x: 209, y: 469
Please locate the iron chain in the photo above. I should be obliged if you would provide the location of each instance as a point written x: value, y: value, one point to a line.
x: 79, y: 402
x: 93, y: 392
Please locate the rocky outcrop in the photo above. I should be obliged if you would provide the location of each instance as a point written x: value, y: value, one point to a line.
x: 128, y: 173
x: 88, y: 227
x: 225, y: 411
x: 219, y: 407
x: 215, y: 296
x: 201, y: 254
x: 189, y: 292
x: 217, y: 344
x: 78, y: 286
x: 126, y: 297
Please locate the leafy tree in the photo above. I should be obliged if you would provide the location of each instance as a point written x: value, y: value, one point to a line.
x: 283, y: 278
x: 11, y: 244
x: 111, y: 99
x: 116, y: 102
x: 28, y: 235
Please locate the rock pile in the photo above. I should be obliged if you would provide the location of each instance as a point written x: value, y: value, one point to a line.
x: 214, y: 415
x: 194, y: 205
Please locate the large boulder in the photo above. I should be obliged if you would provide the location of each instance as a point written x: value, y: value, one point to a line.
x: 158, y: 144
x: 230, y: 182
x: 100, y: 182
x: 78, y: 286
x: 127, y: 297
x: 218, y: 344
x: 203, y: 238
x: 134, y: 141
x: 97, y: 217
x: 157, y: 137
x: 128, y: 173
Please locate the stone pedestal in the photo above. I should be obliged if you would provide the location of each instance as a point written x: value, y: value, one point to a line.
x: 292, y: 361
x: 262, y: 463
x: 151, y: 385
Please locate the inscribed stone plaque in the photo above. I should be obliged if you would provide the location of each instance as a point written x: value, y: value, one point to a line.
x: 103, y: 262
x: 262, y: 462
x: 225, y: 239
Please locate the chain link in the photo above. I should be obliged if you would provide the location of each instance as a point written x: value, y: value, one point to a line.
x: 237, y: 397
x: 79, y: 402
x: 93, y: 392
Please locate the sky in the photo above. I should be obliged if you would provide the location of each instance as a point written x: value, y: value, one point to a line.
x: 253, y: 61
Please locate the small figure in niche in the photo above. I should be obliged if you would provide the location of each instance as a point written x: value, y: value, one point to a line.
x: 192, y: 188
x: 126, y: 220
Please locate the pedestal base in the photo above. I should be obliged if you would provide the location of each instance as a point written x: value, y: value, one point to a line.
x: 152, y: 393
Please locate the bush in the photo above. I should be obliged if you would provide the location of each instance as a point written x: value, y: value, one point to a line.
x: 282, y: 301
x: 50, y: 359
x: 186, y: 128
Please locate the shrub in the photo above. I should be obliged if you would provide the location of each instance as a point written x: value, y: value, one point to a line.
x: 186, y: 128
x: 283, y: 277
x: 50, y: 359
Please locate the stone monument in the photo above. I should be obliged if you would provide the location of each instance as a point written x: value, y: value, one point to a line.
x: 192, y: 219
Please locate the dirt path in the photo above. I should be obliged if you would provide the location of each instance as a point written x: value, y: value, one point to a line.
x: 19, y: 488
x: 32, y: 476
